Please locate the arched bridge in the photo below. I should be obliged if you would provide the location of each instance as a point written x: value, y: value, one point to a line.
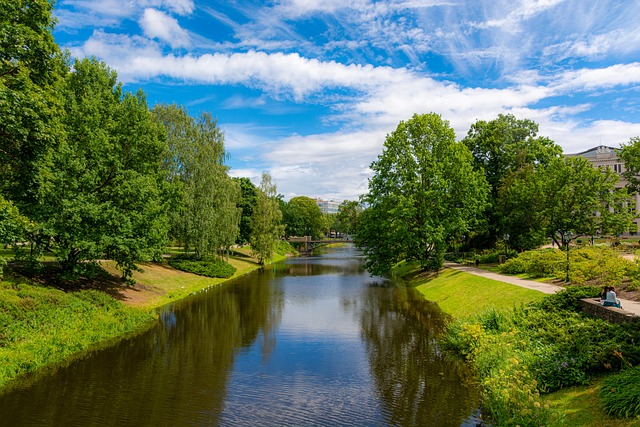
x: 309, y: 244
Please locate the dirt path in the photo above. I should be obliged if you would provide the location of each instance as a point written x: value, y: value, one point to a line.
x: 627, y: 305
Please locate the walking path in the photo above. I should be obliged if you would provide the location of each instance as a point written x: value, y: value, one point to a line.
x: 627, y: 305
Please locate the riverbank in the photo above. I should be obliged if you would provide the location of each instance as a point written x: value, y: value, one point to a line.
x: 42, y: 328
x: 462, y: 295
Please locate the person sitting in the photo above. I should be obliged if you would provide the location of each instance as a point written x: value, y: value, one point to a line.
x: 611, y: 300
x: 603, y: 294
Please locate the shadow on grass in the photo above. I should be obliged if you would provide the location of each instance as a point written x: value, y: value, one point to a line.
x: 51, y: 275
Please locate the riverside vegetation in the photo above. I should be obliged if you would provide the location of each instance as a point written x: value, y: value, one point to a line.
x: 539, y: 360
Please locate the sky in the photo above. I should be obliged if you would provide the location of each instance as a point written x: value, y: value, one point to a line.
x: 307, y: 90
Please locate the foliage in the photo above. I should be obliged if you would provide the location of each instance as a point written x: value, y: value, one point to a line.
x: 538, y: 348
x: 348, y: 213
x: 423, y: 193
x: 302, y: 217
x: 247, y: 203
x: 620, y: 393
x: 104, y: 194
x: 537, y: 263
x: 630, y: 154
x: 266, y: 226
x: 31, y: 71
x: 206, y: 266
x: 595, y: 265
x: 207, y: 215
x: 500, y: 148
x: 41, y: 326
x: 568, y: 298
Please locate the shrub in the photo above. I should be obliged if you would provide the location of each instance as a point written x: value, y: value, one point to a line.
x: 568, y: 298
x: 539, y: 263
x: 602, y: 266
x: 620, y: 394
x: 209, y: 267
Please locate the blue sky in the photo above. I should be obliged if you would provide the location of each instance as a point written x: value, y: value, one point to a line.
x: 308, y: 89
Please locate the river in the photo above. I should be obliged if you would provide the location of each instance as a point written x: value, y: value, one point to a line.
x: 313, y: 341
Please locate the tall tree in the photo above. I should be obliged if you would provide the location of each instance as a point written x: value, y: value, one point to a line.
x: 303, y: 217
x: 266, y: 225
x: 104, y: 197
x: 347, y: 218
x: 424, y: 191
x: 207, y: 213
x: 578, y: 200
x: 31, y: 72
x: 247, y: 204
x: 630, y: 155
x: 501, y: 147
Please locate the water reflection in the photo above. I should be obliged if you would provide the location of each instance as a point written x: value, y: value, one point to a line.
x: 176, y: 374
x: 414, y: 380
x: 313, y: 341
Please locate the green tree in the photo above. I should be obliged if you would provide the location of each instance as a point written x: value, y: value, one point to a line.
x: 266, y: 221
x: 207, y: 214
x: 104, y: 197
x: 247, y: 204
x: 347, y: 218
x: 579, y: 200
x: 302, y: 217
x: 31, y: 72
x: 501, y: 147
x: 424, y: 192
x: 630, y: 155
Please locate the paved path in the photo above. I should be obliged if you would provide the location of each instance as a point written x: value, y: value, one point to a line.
x: 627, y: 305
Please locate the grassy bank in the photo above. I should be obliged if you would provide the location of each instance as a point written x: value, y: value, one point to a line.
x: 520, y: 353
x: 42, y: 327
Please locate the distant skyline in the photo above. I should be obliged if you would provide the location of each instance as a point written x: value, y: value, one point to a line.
x: 308, y: 89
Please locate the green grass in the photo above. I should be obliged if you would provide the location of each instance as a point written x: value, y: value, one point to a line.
x: 461, y: 294
x: 42, y: 326
x: 582, y: 408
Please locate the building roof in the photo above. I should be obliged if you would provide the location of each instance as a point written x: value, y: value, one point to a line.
x: 599, y: 151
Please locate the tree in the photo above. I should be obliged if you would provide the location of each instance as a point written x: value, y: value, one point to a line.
x: 266, y: 221
x: 578, y: 200
x: 424, y: 191
x: 247, y: 204
x: 630, y: 155
x: 303, y: 217
x: 31, y: 72
x: 104, y: 195
x: 502, y: 147
x: 347, y: 218
x: 207, y: 213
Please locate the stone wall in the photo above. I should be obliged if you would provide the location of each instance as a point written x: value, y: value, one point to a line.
x: 612, y: 314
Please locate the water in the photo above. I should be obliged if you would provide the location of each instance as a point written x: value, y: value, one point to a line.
x: 311, y: 342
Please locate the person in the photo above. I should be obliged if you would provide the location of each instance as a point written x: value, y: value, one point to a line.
x: 611, y: 300
x: 603, y: 294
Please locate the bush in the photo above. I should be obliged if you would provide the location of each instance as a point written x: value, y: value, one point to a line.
x: 539, y: 348
x: 601, y: 266
x: 539, y: 263
x: 620, y: 394
x: 209, y: 267
x: 568, y: 298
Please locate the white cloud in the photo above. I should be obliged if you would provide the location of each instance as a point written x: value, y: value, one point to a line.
x: 599, y: 78
x: 157, y: 24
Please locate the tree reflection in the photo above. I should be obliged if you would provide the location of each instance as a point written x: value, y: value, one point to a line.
x: 175, y: 374
x: 415, y: 382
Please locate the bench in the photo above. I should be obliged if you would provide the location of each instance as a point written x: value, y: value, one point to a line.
x: 593, y: 307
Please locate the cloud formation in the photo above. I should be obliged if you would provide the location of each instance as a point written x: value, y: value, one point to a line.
x: 314, y: 86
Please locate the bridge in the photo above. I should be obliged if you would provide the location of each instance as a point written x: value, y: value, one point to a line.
x: 308, y: 244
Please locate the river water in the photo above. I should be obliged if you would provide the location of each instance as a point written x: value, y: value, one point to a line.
x: 312, y: 341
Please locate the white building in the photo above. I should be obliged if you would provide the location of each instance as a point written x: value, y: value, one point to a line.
x: 327, y: 206
x: 607, y: 157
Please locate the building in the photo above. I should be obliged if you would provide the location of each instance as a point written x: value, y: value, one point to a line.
x: 607, y: 157
x: 327, y: 206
